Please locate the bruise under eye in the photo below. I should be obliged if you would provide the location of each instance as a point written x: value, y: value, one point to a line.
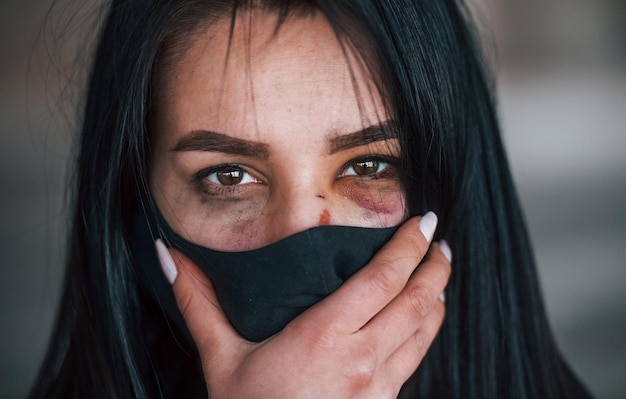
x: 373, y: 183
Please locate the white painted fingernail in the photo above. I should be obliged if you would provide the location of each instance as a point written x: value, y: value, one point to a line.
x: 167, y: 263
x: 442, y: 297
x: 428, y: 224
x: 445, y: 249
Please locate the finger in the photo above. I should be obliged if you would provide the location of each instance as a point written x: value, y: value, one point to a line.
x: 374, y: 286
x: 407, y: 312
x: 407, y: 358
x: 198, y: 304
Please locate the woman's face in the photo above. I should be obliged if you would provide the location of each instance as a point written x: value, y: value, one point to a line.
x: 270, y: 136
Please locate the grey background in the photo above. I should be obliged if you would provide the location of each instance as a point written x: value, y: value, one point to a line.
x: 561, y: 70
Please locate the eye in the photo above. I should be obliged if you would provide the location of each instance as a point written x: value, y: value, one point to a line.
x: 230, y: 175
x: 366, y: 167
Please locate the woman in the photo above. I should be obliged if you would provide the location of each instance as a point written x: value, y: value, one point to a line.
x: 231, y: 131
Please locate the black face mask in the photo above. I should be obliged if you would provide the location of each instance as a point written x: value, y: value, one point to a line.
x: 262, y: 290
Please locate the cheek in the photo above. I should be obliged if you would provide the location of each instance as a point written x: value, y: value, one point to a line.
x: 385, y: 204
x: 238, y: 236
x: 219, y: 225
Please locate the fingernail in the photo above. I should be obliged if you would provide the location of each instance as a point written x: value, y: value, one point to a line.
x: 428, y: 224
x: 167, y: 263
x: 445, y: 249
x: 442, y: 297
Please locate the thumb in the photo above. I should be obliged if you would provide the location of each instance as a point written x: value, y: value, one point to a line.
x: 197, y: 302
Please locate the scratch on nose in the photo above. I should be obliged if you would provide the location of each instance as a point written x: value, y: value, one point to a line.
x: 324, y: 218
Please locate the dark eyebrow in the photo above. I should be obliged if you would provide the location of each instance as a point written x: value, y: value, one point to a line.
x: 204, y: 140
x: 380, y: 132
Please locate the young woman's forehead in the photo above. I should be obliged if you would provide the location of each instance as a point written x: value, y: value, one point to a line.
x: 250, y: 59
x: 251, y: 74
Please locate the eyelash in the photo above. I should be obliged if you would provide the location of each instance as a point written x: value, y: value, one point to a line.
x: 211, y: 186
x: 390, y: 163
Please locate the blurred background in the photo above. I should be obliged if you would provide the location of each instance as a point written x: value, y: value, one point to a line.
x: 561, y: 81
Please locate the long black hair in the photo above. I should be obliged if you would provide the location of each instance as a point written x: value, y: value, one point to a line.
x: 111, y: 340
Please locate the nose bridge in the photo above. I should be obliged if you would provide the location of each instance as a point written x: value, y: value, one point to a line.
x: 300, y: 207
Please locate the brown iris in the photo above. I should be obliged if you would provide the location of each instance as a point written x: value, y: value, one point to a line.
x: 365, y: 167
x: 230, y: 175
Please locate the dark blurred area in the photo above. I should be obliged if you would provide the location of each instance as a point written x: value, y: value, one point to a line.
x: 561, y: 83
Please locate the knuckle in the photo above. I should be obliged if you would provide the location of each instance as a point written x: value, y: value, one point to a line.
x: 320, y: 341
x: 419, y: 300
x: 362, y: 368
x: 361, y: 379
x: 419, y: 245
x: 422, y: 341
x: 416, y: 243
x: 387, y: 278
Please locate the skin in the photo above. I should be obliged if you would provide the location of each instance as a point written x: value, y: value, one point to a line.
x: 293, y: 94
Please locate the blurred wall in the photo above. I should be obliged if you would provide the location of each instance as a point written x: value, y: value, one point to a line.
x: 561, y: 67
x: 33, y: 155
x: 561, y: 70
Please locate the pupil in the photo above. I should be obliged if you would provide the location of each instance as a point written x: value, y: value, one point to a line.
x: 230, y: 176
x: 366, y: 167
